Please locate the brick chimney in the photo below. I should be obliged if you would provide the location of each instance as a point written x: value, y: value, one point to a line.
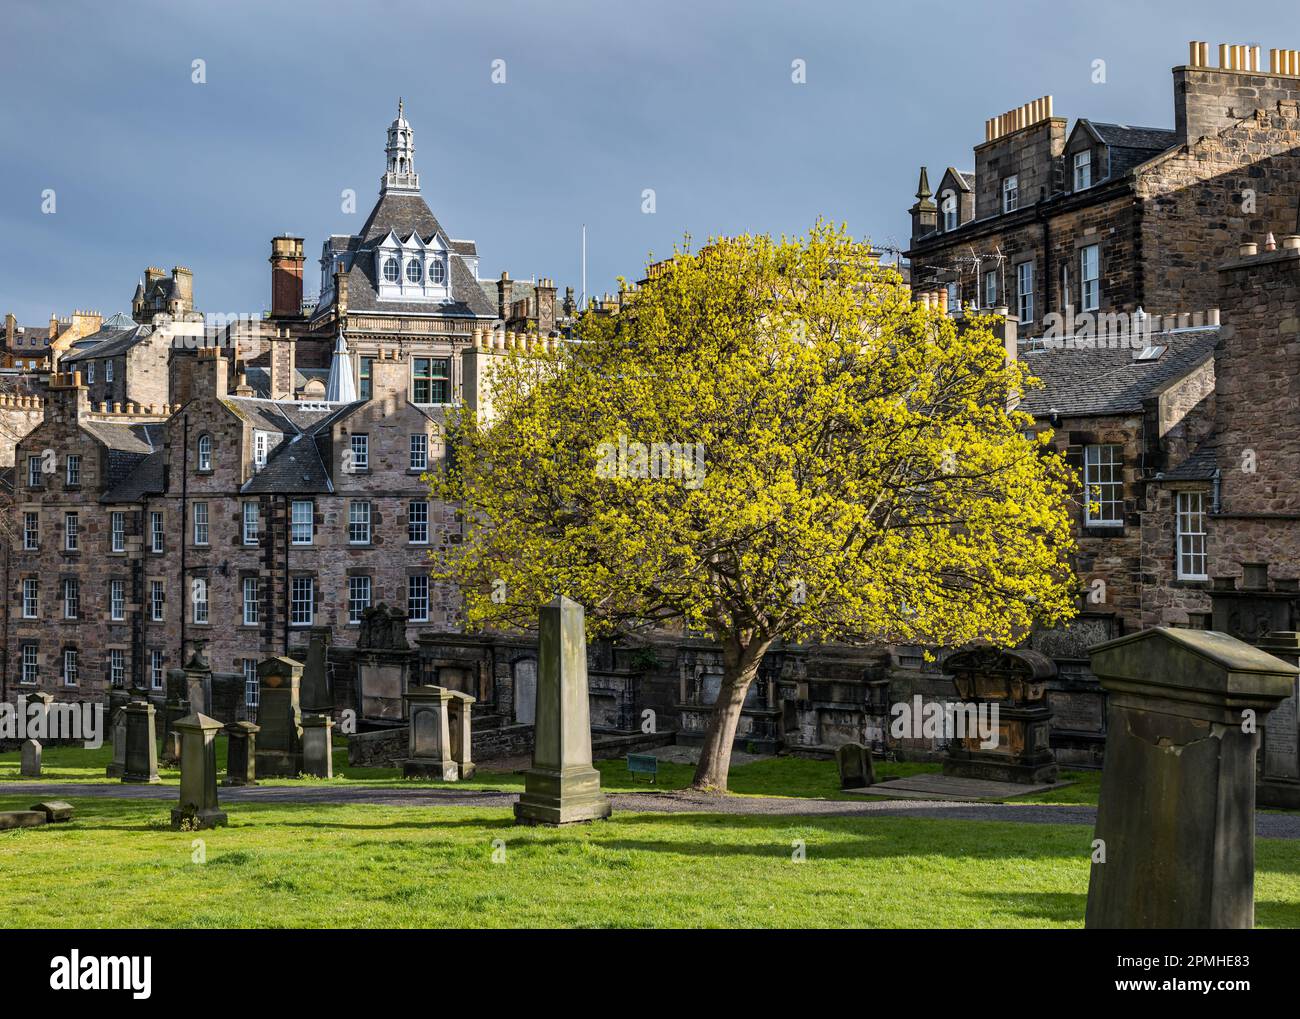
x: 208, y: 374
x: 282, y: 356
x: 545, y: 305
x: 503, y: 296
x: 1207, y: 99
x: 11, y: 325
x: 67, y: 398
x: 286, y: 276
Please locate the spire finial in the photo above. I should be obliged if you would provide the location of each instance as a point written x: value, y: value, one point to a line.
x: 400, y: 104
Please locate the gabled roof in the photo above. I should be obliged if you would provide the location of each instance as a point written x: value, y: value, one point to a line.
x: 145, y: 478
x: 106, y: 342
x: 127, y: 445
x: 1088, y: 381
x: 296, y: 465
x: 1199, y: 466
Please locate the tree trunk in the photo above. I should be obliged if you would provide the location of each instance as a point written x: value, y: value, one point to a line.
x: 739, y: 667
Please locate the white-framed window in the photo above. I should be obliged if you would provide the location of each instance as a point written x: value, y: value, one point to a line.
x: 419, y: 452
x: 157, y: 600
x: 34, y: 472
x: 117, y: 600
x: 954, y: 296
x: 31, y: 598
x: 1103, y: 478
x: 417, y: 522
x: 117, y: 531
x: 948, y: 203
x: 156, y: 531
x: 205, y: 452
x: 69, y: 667
x: 990, y: 289
x: 359, y: 522
x: 199, y: 599
x: 417, y: 598
x: 31, y: 663
x: 72, y: 470
x: 31, y: 532
x: 1090, y: 277
x: 260, y: 446
x: 108, y: 371
x: 358, y: 597
x: 390, y: 270
x: 71, y: 598
x: 90, y: 373
x: 200, y: 523
x: 360, y: 452
x: 1010, y: 193
x: 414, y: 271
x: 71, y: 533
x: 252, y: 604
x: 437, y: 272
x: 1192, y: 564
x: 301, y: 522
x: 1083, y: 170
x: 251, y: 522
x: 155, y: 669
x: 117, y: 667
x: 252, y: 689
x: 1025, y: 291
x: 302, y: 601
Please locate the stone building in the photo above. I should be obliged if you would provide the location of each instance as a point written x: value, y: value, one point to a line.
x: 1104, y: 219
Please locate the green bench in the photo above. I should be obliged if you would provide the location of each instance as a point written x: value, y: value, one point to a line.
x: 643, y: 764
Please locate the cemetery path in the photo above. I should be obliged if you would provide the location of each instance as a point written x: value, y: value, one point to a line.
x: 1269, y: 826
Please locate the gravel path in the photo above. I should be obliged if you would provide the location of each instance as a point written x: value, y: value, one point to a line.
x: 1270, y: 826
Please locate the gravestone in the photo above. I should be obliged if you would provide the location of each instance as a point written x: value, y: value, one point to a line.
x: 176, y: 705
x: 428, y: 735
x: 117, y: 702
x: 383, y: 663
x: 318, y: 746
x: 241, y: 751
x: 30, y: 762
x: 856, y: 767
x: 141, y: 763
x: 279, y: 714
x: 38, y: 707
x: 315, y: 697
x: 1279, y: 761
x: 561, y: 787
x: 198, y: 807
x: 458, y: 731
x: 1176, y: 817
x: 55, y: 811
x: 526, y: 692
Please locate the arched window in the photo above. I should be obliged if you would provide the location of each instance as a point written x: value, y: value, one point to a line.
x: 205, y: 452
x: 436, y: 273
x: 390, y: 270
x: 414, y: 271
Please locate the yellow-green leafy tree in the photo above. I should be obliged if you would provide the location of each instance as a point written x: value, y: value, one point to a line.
x: 770, y: 442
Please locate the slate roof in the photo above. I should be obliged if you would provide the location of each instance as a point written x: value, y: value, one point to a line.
x: 1084, y: 382
x: 297, y: 464
x: 1130, y: 146
x: 145, y: 478
x: 106, y: 342
x: 128, y: 445
x: 1199, y: 466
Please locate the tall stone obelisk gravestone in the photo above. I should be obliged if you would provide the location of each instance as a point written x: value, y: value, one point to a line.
x: 1174, y: 845
x: 198, y: 807
x: 562, y: 787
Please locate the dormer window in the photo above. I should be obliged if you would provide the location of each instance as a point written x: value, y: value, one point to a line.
x: 390, y: 270
x: 1082, y: 170
x: 1010, y: 193
x: 413, y: 268
x: 949, y: 205
x: 437, y: 274
x: 414, y: 271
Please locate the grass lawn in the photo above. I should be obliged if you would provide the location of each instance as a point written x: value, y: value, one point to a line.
x: 776, y: 776
x: 372, y: 866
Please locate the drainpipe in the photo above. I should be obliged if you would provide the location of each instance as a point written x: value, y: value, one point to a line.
x: 1215, y: 505
x: 185, y: 513
x: 288, y: 527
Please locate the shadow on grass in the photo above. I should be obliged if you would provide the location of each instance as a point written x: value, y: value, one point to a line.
x: 1056, y: 907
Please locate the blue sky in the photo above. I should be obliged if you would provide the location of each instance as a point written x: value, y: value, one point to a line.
x: 601, y: 101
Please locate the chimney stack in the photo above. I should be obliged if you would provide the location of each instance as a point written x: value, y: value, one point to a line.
x: 286, y: 276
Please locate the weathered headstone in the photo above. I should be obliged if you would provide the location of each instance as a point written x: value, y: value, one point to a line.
x: 1279, y: 761
x: 141, y: 763
x: 54, y: 810
x: 315, y: 697
x: 176, y: 706
x: 458, y: 731
x: 318, y: 746
x: 279, y: 713
x: 117, y: 702
x: 562, y: 787
x: 30, y: 760
x: 198, y: 806
x: 241, y: 753
x: 429, y: 740
x: 21, y: 819
x: 855, y: 765
x: 1174, y: 845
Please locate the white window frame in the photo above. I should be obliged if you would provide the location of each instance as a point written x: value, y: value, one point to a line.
x: 260, y: 446
x: 252, y: 601
x: 71, y: 533
x: 360, y: 594
x: 295, y: 524
x: 1190, y: 551
x: 951, y: 208
x: 360, y: 447
x: 419, y: 452
x: 34, y: 472
x: 90, y: 373
x: 156, y: 531
x: 1083, y: 170
x: 72, y: 470
x: 1090, y: 277
x: 117, y: 600
x: 199, y: 600
x: 31, y: 598
x: 302, y: 610
x: 991, y: 289
x: 70, y: 666
x: 1025, y: 291
x: 108, y: 370
x: 1011, y: 193
x: 417, y: 600
x: 71, y: 598
x: 417, y: 522
x: 116, y: 668
x: 156, y: 672
x: 205, y: 452
x: 252, y: 685
x: 31, y: 531
x: 117, y: 531
x: 252, y: 522
x: 359, y: 522
x: 157, y: 601
x: 31, y: 673
x: 1103, y: 471
x: 201, y: 533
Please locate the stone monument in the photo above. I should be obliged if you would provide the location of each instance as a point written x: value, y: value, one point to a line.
x: 315, y: 696
x: 855, y: 765
x: 1279, y: 759
x: 117, y: 702
x: 279, y: 714
x: 437, y: 730
x: 561, y: 787
x: 318, y: 746
x: 30, y: 761
x: 1176, y: 818
x: 383, y: 663
x: 176, y: 705
x: 198, y: 806
x: 241, y: 753
x: 141, y: 762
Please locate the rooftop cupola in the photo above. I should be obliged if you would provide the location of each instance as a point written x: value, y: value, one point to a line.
x: 400, y: 175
